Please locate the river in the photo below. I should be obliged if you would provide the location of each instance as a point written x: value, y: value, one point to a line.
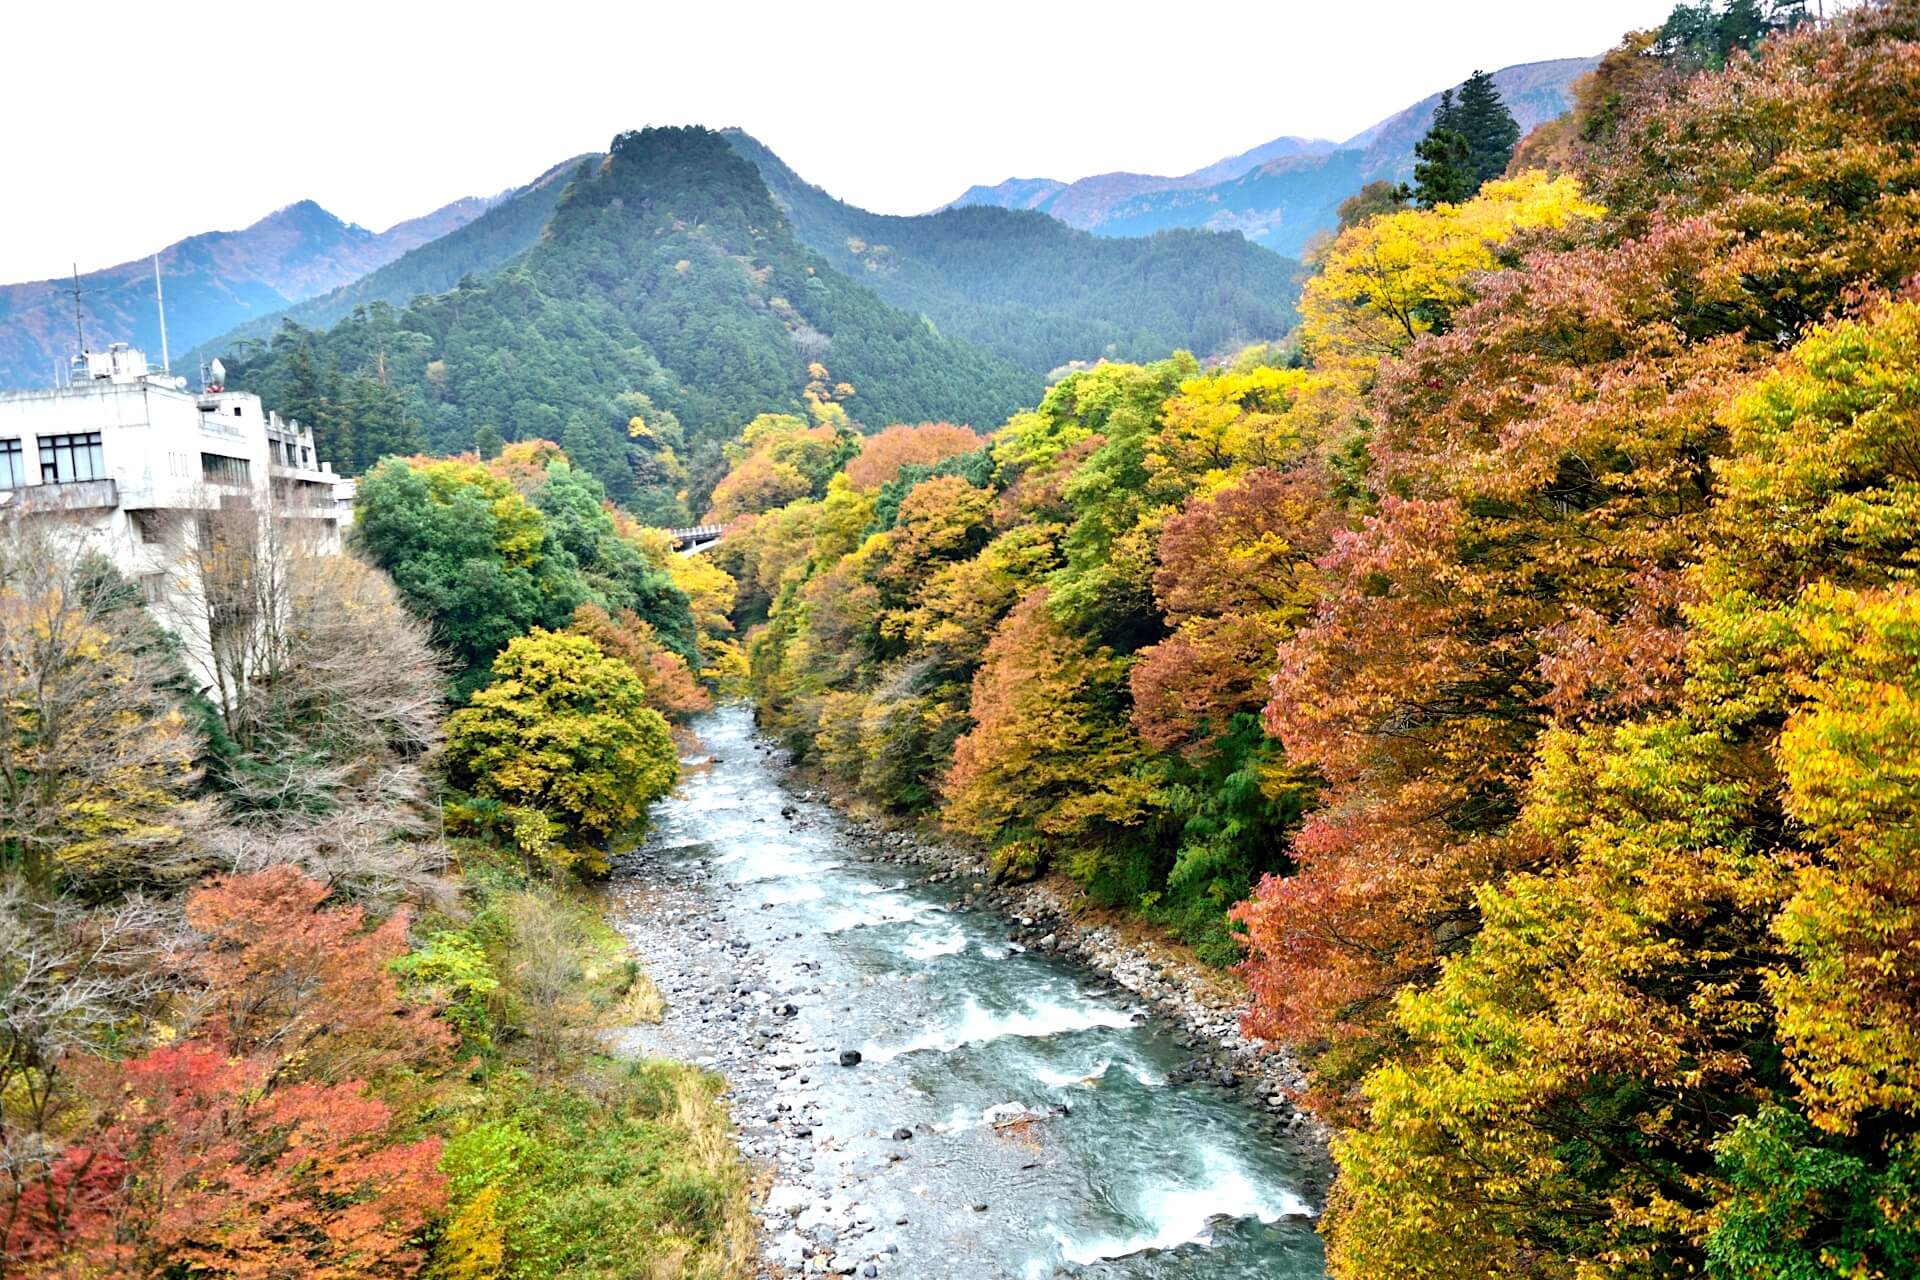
x: 1009, y: 1115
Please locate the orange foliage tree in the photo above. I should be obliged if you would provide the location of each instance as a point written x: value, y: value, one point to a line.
x: 883, y: 454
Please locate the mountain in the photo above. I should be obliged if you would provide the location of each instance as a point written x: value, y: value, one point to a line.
x: 1280, y: 194
x: 667, y: 286
x: 212, y: 281
x: 1036, y: 292
x: 512, y: 221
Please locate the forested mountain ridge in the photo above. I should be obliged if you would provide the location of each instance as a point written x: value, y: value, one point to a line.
x: 1283, y: 193
x: 667, y: 303
x: 213, y: 282
x: 1032, y: 290
x: 510, y: 225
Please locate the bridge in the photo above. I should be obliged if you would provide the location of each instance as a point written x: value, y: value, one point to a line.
x: 696, y: 538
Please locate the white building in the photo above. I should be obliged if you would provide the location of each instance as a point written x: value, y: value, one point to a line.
x: 127, y: 457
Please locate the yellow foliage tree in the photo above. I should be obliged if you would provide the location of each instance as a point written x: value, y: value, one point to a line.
x: 564, y: 740
x: 1397, y: 276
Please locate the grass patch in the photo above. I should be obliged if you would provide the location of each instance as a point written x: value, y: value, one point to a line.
x: 630, y: 1169
x: 563, y: 1161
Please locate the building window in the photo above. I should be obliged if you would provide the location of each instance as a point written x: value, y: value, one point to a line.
x: 306, y: 454
x: 220, y: 469
x: 13, y: 464
x: 150, y: 524
x: 153, y: 587
x: 75, y: 457
x: 236, y: 411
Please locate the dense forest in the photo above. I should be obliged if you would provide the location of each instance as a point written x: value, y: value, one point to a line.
x: 1515, y: 675
x: 639, y: 308
x: 1036, y: 292
x: 666, y: 303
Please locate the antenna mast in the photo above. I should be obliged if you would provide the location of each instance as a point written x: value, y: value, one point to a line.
x: 79, y: 337
x: 160, y: 302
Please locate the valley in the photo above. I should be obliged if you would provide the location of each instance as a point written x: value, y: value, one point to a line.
x: 1002, y: 1113
x: 1351, y: 714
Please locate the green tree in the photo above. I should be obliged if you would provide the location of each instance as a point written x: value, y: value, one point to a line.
x: 376, y: 421
x: 468, y: 554
x: 1442, y: 167
x: 1489, y: 128
x: 564, y: 739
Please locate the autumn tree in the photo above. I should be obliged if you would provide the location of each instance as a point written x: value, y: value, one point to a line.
x: 1400, y: 275
x: 97, y: 756
x: 670, y: 684
x: 221, y: 1171
x: 253, y: 1147
x: 1548, y: 459
x: 1050, y: 762
x: 1236, y: 575
x: 286, y: 975
x: 883, y: 454
x: 1662, y: 1045
x: 564, y: 740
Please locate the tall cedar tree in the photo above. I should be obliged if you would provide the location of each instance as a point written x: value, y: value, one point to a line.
x: 1441, y: 172
x: 1491, y: 132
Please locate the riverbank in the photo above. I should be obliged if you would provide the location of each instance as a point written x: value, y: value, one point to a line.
x: 923, y: 1095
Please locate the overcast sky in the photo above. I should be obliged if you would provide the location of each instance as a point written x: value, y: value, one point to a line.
x: 124, y: 128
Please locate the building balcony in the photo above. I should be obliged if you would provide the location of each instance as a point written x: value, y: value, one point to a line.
x: 64, y: 495
x: 302, y: 474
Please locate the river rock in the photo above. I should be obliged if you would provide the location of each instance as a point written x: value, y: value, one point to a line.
x: 849, y: 1057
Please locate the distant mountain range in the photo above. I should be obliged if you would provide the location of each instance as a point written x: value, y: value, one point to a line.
x: 213, y: 282
x: 510, y: 224
x: 689, y: 279
x: 1280, y: 194
x: 641, y: 305
x: 1035, y: 292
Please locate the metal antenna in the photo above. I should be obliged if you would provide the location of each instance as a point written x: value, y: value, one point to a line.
x: 79, y: 338
x: 160, y: 301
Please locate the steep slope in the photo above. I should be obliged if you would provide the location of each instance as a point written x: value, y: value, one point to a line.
x: 667, y: 286
x: 1036, y: 292
x: 213, y: 282
x: 510, y: 224
x: 1283, y: 193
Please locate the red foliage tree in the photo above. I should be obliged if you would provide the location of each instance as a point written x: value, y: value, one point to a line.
x: 672, y: 688
x: 1236, y: 573
x: 307, y: 986
x: 229, y: 1175
x: 1550, y: 456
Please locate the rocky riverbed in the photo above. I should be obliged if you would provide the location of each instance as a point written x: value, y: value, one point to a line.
x: 942, y: 1078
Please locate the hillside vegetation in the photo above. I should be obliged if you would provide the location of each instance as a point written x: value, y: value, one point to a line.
x: 1517, y: 677
x: 666, y: 303
x: 297, y: 980
x: 1038, y: 293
